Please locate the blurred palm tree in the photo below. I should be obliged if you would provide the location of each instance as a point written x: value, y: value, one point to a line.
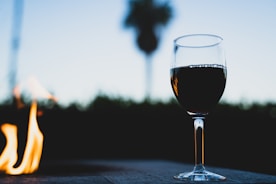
x: 147, y: 17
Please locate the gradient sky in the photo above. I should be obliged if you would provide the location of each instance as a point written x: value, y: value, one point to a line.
x: 79, y: 48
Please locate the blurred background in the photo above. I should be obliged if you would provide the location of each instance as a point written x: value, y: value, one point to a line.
x: 107, y: 63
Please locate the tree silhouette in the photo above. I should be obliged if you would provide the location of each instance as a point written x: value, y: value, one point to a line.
x: 147, y: 17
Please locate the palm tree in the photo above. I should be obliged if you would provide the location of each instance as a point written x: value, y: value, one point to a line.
x: 147, y: 17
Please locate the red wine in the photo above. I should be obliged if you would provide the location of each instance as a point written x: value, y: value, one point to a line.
x: 198, y: 88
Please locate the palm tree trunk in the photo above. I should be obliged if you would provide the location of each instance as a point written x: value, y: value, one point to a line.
x: 15, y: 43
x: 148, y: 79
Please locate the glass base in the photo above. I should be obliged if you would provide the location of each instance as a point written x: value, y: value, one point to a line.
x: 199, y: 174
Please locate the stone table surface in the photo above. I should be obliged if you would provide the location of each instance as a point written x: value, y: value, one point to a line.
x: 125, y: 172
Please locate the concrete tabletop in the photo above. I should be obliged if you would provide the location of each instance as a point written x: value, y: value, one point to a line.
x: 125, y: 172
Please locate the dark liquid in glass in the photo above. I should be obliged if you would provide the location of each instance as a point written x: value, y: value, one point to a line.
x: 198, y: 88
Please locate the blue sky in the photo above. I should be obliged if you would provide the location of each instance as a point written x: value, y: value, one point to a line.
x: 78, y: 48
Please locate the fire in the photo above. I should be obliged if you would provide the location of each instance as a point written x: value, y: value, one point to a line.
x: 34, y: 145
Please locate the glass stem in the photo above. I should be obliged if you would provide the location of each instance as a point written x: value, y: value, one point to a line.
x: 199, y: 142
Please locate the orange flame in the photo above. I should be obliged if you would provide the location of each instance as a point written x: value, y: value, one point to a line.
x: 16, y: 94
x: 33, y: 150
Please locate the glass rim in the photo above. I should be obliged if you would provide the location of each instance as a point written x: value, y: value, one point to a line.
x: 217, y: 42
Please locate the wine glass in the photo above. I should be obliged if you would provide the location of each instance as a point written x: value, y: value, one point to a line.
x: 198, y: 79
